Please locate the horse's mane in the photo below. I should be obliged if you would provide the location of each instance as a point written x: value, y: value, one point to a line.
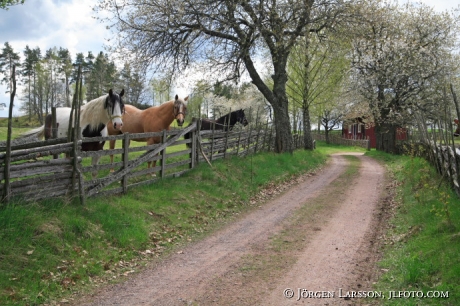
x: 90, y: 113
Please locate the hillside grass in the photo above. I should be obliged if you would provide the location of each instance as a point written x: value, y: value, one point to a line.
x: 422, y: 245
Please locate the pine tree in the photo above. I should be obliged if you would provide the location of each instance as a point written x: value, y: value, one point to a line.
x: 65, y: 68
x: 8, y: 59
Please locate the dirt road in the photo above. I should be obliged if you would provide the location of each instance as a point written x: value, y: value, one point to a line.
x: 315, y: 241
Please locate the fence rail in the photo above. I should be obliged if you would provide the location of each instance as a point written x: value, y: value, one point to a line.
x: 35, y: 175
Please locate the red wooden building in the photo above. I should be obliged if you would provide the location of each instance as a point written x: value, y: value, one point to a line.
x: 358, y: 128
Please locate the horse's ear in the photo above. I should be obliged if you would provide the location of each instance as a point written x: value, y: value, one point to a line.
x: 122, y: 92
x: 177, y: 97
x: 110, y: 92
x: 186, y: 98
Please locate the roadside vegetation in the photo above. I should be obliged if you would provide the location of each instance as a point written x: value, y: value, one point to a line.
x: 53, y: 249
x: 422, y: 244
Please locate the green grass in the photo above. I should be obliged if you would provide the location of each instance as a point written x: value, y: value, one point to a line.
x: 324, y: 148
x: 423, y: 243
x: 14, y: 131
x: 53, y: 249
x: 20, y: 122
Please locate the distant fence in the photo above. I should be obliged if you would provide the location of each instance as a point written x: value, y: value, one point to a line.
x: 32, y: 174
x: 445, y: 158
x: 335, y: 139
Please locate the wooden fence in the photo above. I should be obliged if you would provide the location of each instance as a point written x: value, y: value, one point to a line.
x: 334, y: 139
x: 33, y: 174
x: 445, y: 158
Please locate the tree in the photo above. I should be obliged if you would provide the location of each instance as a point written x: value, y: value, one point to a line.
x: 316, y: 68
x: 101, y: 75
x: 399, y: 52
x: 65, y: 68
x: 32, y: 56
x: 5, y: 3
x: 228, y: 34
x: 197, y: 99
x: 8, y: 59
x: 161, y: 88
x: 132, y: 81
x: 330, y: 119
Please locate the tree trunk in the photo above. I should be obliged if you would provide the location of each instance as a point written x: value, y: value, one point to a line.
x: 30, y: 102
x: 283, y: 138
x: 454, y: 96
x: 386, y: 137
x: 307, y: 139
x: 326, y: 134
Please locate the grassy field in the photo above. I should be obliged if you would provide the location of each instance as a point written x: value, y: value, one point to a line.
x: 422, y: 245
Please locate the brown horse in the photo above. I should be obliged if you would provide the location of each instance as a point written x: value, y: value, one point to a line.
x: 152, y: 119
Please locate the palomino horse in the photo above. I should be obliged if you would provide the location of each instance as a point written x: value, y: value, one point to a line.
x: 94, y: 116
x: 225, y: 123
x: 152, y: 119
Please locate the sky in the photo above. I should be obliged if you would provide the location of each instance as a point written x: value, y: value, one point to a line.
x: 71, y: 24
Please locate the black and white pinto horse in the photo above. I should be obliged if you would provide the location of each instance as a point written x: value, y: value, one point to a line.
x: 94, y: 117
x: 225, y: 123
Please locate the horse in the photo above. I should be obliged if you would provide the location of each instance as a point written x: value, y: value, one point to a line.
x: 152, y: 119
x: 225, y: 123
x: 94, y: 117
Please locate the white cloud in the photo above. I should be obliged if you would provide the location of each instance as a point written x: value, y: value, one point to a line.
x: 69, y: 24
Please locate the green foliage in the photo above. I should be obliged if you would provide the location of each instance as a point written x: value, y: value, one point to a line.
x: 5, y: 3
x: 422, y: 245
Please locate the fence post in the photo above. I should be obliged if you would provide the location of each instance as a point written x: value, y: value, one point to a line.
x: 212, y: 142
x: 193, y: 146
x: 226, y: 137
x: 81, y: 187
x: 163, y: 156
x: 257, y: 137
x: 74, y: 154
x: 125, y: 158
x: 249, y: 140
x: 265, y: 135
x: 238, y: 143
x: 198, y: 139
x: 54, y: 132
x: 7, y: 186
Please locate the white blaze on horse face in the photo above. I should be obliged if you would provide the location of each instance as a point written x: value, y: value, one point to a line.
x: 181, y: 110
x: 180, y: 116
x: 116, y: 117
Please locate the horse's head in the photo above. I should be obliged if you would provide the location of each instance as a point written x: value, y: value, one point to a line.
x: 180, y: 110
x: 115, y: 108
x: 241, y: 117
